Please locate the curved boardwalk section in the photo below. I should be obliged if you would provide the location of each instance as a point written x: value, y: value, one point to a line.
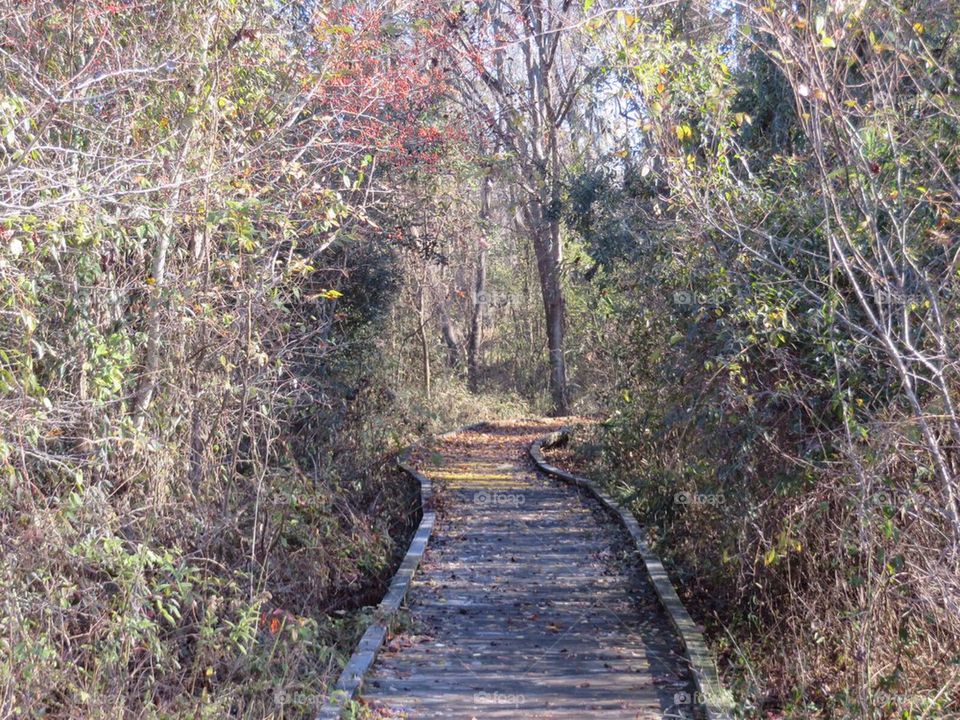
x: 527, y: 604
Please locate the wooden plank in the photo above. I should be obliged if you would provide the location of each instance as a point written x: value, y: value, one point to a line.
x: 351, y: 677
x: 526, y: 608
x: 717, y: 702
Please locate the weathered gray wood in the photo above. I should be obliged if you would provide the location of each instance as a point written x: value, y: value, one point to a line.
x: 715, y: 699
x: 522, y: 610
x: 351, y: 678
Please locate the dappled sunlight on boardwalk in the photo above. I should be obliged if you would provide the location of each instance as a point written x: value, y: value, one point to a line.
x: 523, y: 607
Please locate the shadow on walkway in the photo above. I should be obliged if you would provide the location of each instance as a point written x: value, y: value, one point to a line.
x: 528, y: 604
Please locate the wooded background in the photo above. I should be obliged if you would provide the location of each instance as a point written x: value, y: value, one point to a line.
x: 249, y: 248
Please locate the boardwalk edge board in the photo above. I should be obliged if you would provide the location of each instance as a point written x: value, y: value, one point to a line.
x: 351, y: 678
x: 716, y: 702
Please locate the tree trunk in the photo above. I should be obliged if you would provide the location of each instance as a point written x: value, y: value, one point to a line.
x: 554, y: 309
x: 424, y: 344
x: 449, y: 335
x: 545, y: 237
x: 475, y: 336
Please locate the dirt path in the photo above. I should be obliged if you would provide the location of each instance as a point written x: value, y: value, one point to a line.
x: 525, y: 606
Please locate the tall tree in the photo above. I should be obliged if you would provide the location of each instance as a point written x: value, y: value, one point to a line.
x: 517, y: 69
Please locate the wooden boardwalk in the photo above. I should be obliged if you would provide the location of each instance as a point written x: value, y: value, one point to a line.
x: 527, y: 604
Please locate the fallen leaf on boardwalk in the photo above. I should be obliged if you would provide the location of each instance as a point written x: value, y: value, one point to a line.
x: 511, y: 577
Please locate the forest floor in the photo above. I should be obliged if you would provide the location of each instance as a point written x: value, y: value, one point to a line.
x: 528, y: 603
